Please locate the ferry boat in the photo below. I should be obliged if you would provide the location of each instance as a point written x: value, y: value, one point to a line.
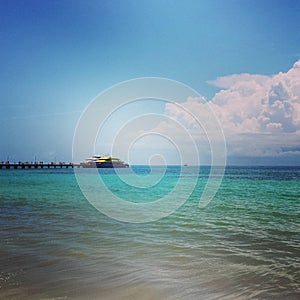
x: 98, y: 161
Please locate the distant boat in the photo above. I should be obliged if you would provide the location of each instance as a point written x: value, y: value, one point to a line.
x: 185, y: 165
x: 98, y: 161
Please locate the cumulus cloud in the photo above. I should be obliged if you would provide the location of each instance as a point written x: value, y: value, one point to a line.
x: 260, y: 115
x: 269, y: 103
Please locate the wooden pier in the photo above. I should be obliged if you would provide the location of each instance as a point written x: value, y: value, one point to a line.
x: 37, y: 165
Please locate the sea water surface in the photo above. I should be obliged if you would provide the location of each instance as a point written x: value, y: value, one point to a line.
x: 244, y: 245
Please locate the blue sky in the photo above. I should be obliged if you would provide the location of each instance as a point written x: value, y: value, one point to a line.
x: 56, y: 56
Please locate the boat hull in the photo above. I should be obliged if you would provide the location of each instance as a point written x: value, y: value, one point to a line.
x: 104, y: 165
x: 111, y: 165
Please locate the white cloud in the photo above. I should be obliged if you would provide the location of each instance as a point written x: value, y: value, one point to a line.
x: 260, y: 115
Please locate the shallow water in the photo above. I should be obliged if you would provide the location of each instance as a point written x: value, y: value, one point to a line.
x: 244, y: 245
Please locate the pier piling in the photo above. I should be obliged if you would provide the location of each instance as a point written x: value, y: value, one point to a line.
x: 40, y: 165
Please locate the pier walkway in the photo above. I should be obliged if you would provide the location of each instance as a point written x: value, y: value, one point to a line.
x: 37, y: 165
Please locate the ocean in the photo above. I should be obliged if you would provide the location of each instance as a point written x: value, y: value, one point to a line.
x: 245, y: 244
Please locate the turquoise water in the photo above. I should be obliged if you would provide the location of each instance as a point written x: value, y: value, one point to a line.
x: 244, y: 245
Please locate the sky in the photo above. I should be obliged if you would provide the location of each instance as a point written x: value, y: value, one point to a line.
x: 242, y: 57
